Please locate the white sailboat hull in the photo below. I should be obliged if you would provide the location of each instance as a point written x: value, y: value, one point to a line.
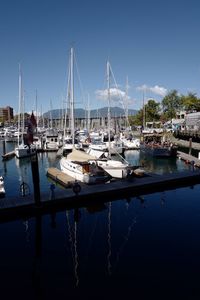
x: 25, y: 151
x: 116, y: 169
x: 77, y: 172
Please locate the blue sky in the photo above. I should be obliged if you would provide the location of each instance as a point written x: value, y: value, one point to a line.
x: 155, y: 43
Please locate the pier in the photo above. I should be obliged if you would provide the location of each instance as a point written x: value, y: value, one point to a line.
x: 60, y: 177
x: 8, y: 155
x: 58, y: 199
x: 189, y: 159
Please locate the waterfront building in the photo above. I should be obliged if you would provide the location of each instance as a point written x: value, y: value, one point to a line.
x: 6, y: 114
x: 192, y: 121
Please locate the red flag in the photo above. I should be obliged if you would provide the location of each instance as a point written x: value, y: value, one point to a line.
x: 32, y: 124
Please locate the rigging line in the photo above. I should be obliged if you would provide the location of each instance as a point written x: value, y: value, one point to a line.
x: 67, y: 99
x: 126, y: 237
x: 116, y: 85
x: 79, y: 79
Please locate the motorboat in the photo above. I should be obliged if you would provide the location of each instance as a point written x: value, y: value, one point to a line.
x: 83, y: 167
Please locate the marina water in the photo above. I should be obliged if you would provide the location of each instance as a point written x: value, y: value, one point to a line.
x: 136, y: 247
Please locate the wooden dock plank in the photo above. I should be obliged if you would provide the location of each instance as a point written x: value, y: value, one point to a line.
x: 60, y: 177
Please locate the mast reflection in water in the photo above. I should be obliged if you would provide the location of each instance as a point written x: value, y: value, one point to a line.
x: 136, y: 247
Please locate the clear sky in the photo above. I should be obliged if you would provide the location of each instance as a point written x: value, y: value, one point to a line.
x: 155, y: 43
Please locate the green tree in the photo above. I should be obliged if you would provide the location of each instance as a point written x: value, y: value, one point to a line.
x: 149, y: 113
x: 171, y: 103
x: 137, y: 119
x: 190, y: 102
x: 152, y: 109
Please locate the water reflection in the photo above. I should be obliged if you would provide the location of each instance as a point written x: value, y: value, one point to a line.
x: 72, y: 234
x: 125, y: 240
x: 158, y: 165
x: 22, y: 167
x: 110, y: 248
x: 36, y: 274
x: 155, y: 165
x: 27, y: 230
x: 109, y: 240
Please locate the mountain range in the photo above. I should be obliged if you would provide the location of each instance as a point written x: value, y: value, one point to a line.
x: 82, y: 113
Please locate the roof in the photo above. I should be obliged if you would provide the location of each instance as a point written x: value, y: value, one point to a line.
x: 81, y: 156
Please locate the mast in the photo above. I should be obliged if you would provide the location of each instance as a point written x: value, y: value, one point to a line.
x: 108, y: 89
x: 23, y: 122
x: 67, y: 104
x: 126, y: 102
x: 88, y: 114
x: 72, y: 92
x: 36, y: 103
x: 51, y: 120
x: 143, y: 110
x: 20, y: 101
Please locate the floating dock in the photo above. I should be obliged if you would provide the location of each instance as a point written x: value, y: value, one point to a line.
x: 60, y: 177
x: 189, y: 159
x: 58, y: 199
x: 8, y: 155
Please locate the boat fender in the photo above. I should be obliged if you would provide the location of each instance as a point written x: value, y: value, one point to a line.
x: 76, y: 188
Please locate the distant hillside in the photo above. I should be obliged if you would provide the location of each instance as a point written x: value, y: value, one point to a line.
x: 81, y: 113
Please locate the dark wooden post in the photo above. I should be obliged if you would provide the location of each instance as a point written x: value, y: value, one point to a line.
x: 4, y: 147
x: 37, y: 258
x: 190, y: 146
x: 36, y: 179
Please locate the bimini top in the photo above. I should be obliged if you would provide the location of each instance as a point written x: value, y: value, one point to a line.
x: 80, y: 156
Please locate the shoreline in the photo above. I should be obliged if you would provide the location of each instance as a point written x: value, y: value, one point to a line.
x: 179, y: 142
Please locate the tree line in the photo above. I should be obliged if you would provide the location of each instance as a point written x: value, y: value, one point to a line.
x: 166, y: 109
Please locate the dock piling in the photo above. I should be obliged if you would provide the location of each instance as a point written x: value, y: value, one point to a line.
x: 190, y: 146
x: 36, y: 179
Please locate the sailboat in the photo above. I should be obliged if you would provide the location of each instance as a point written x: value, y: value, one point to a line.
x: 22, y: 150
x: 115, y: 168
x: 79, y: 164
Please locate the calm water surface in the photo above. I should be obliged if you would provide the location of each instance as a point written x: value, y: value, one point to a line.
x: 133, y: 248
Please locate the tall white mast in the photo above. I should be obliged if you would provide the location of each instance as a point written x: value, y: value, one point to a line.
x: 108, y: 90
x: 72, y: 93
x: 88, y: 114
x: 36, y: 112
x: 126, y: 102
x: 20, y: 101
x: 144, y: 121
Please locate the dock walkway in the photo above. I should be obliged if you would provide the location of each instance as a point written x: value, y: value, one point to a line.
x: 58, y: 198
x: 60, y: 177
x: 189, y: 158
x: 8, y: 155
